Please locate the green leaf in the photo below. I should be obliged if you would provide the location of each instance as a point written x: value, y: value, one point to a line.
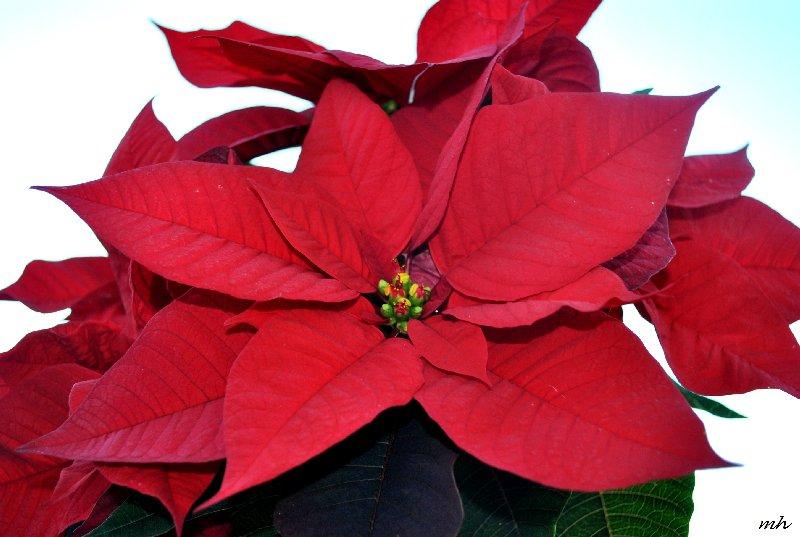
x: 660, y: 508
x: 137, y: 516
x: 398, y: 481
x: 499, y: 503
x: 709, y: 405
x: 645, y: 91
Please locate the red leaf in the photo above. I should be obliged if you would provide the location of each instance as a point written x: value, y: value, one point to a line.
x: 149, y: 294
x: 457, y: 113
x: 147, y: 142
x: 241, y: 55
x: 79, y: 392
x: 201, y: 225
x: 720, y: 333
x: 566, y: 206
x: 353, y: 155
x: 456, y: 28
x: 597, y: 289
x: 647, y: 257
x: 708, y: 179
x: 79, y: 488
x: 35, y: 407
x: 306, y: 381
x: 451, y: 345
x: 562, y: 62
x: 178, y: 487
x: 758, y: 239
x: 95, y: 345
x: 162, y: 401
x: 324, y: 234
x: 250, y: 132
x: 576, y: 403
x: 48, y: 286
x: 508, y: 88
x: 257, y: 314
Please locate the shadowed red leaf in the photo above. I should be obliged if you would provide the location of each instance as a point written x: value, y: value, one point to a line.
x: 94, y: 345
x: 250, y: 132
x: 561, y: 62
x: 35, y: 407
x: 647, y: 257
x: 241, y: 55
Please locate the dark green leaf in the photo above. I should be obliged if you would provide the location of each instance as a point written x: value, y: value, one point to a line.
x: 709, y: 405
x: 661, y: 508
x: 497, y: 503
x: 645, y: 91
x: 137, y: 516
x: 399, y: 482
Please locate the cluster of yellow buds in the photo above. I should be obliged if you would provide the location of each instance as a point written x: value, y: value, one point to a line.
x: 404, y: 300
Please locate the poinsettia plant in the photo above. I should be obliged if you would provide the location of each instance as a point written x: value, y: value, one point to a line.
x: 419, y: 330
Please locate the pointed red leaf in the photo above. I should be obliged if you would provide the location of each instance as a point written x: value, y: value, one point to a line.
x: 49, y: 286
x: 35, y: 407
x: 597, y: 289
x: 647, y: 257
x: 708, y: 179
x: 250, y: 132
x: 162, y: 401
x: 561, y: 62
x: 720, y: 332
x: 94, y: 345
x: 177, y: 486
x: 759, y: 239
x: 508, y: 88
x: 241, y: 55
x: 325, y: 234
x: 306, y: 381
x: 353, y: 155
x: 565, y: 205
x: 147, y: 142
x: 576, y: 403
x: 451, y: 345
x: 455, y: 28
x: 201, y: 225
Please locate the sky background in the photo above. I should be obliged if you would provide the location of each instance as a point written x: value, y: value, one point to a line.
x: 76, y: 73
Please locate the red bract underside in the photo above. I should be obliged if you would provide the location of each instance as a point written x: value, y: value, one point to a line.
x: 235, y: 317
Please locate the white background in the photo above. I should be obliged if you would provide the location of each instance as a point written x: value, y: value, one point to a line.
x: 74, y: 74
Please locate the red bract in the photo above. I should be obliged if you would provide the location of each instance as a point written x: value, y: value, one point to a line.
x: 465, y: 251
